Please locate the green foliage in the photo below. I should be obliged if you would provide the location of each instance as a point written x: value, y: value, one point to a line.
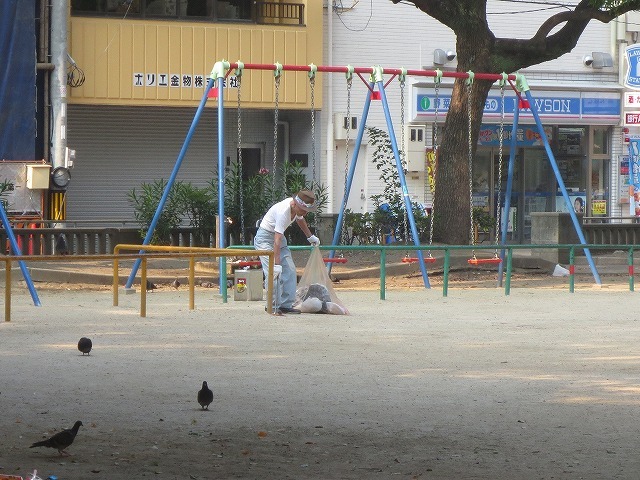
x: 199, y: 205
x: 244, y: 200
x: 391, y: 218
x: 384, y: 161
x: 145, y: 204
x: 483, y: 219
x: 251, y: 197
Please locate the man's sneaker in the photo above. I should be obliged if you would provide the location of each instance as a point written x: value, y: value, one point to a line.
x: 276, y: 311
x: 289, y: 310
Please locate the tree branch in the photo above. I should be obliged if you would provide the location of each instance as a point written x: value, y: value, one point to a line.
x: 583, y: 12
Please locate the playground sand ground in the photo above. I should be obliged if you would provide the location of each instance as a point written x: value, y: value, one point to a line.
x: 476, y: 385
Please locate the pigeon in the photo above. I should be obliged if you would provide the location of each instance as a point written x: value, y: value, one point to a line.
x: 150, y: 286
x: 205, y: 396
x: 84, y: 345
x: 60, y: 440
x: 61, y: 245
x: 175, y: 284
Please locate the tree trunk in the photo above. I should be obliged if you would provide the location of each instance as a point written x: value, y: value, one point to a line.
x: 453, y: 196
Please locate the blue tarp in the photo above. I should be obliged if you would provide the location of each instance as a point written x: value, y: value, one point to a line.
x: 17, y: 80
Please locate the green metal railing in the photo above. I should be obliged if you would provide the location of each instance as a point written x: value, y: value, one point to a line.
x: 448, y: 249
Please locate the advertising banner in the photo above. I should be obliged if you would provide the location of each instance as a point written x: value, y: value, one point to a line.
x: 17, y: 80
x: 634, y: 176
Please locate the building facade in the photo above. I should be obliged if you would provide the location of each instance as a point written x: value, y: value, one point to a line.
x: 146, y: 63
x: 579, y: 97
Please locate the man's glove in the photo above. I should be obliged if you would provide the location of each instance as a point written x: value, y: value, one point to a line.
x: 277, y: 270
x: 313, y: 240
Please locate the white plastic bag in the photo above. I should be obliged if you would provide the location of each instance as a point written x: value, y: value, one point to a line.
x: 315, y: 293
x: 560, y: 271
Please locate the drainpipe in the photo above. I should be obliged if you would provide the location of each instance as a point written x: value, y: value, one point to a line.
x: 59, y: 10
x: 330, y: 145
x: 42, y: 66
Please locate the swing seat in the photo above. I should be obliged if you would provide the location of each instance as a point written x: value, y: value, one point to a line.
x: 335, y: 260
x: 484, y: 261
x: 428, y: 259
x: 246, y: 263
x: 257, y: 263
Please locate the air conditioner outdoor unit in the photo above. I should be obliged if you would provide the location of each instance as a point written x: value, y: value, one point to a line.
x: 340, y: 125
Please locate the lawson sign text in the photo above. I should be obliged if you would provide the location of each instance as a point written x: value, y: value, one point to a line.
x: 576, y: 107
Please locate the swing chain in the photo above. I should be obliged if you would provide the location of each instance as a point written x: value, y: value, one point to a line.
x: 345, y: 233
x: 435, y: 159
x: 470, y: 161
x: 240, y: 186
x: 403, y: 158
x: 500, y: 155
x: 312, y: 82
x: 275, y: 134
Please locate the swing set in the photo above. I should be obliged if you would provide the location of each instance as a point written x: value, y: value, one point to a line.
x: 375, y: 91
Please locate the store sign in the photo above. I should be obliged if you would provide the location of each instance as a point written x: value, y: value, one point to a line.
x: 632, y: 118
x: 605, y: 107
x: 178, y: 80
x: 632, y: 99
x: 632, y: 78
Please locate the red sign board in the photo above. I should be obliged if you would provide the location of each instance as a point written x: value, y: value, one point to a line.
x: 632, y: 118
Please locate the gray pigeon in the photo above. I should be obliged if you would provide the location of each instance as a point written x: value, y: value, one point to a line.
x: 60, y: 440
x: 205, y: 396
x: 85, y: 345
x: 150, y: 286
x: 175, y: 284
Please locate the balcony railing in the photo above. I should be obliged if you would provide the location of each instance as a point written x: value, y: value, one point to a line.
x: 279, y: 13
x: 264, y: 13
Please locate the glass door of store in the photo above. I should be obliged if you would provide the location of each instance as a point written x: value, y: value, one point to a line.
x: 531, y: 190
x: 485, y: 190
x: 538, y: 187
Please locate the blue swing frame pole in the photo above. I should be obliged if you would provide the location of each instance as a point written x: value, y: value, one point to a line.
x: 352, y: 170
x: 222, y: 260
x: 172, y: 178
x: 504, y: 220
x: 556, y: 171
x: 403, y: 181
x: 16, y: 251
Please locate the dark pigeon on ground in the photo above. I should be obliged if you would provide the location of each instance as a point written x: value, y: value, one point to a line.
x: 150, y: 286
x: 61, y: 245
x: 175, y: 284
x: 205, y: 396
x: 85, y: 345
x: 60, y: 440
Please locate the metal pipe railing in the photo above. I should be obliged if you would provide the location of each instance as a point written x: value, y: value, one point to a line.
x: 162, y: 252
x: 447, y: 249
x: 195, y: 252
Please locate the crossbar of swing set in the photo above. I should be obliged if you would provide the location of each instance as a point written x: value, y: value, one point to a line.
x: 366, y: 70
x: 375, y: 71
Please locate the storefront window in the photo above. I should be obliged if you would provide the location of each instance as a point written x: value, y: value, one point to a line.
x: 600, y: 145
x: 600, y: 172
x: 572, y: 164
